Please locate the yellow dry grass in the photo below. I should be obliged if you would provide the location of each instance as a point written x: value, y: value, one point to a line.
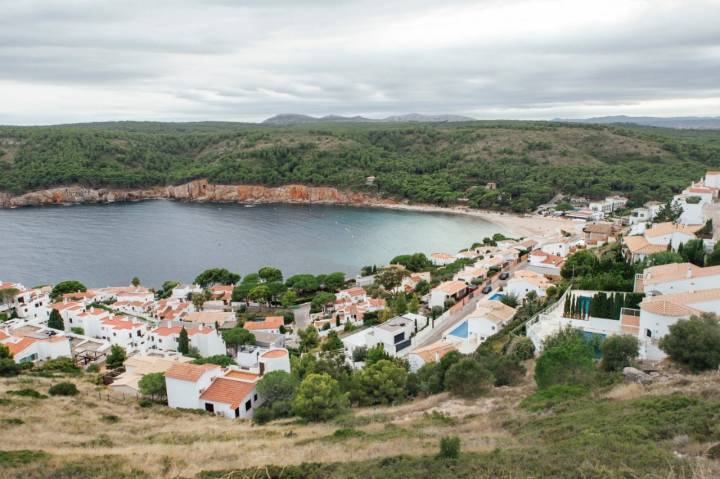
x: 169, y: 443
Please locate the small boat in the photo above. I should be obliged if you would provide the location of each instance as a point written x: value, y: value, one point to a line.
x: 249, y: 206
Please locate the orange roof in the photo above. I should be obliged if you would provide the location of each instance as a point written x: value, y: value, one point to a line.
x: 67, y: 305
x: 677, y: 271
x: 638, y: 244
x: 451, y: 287
x: 242, y: 375
x: 228, y: 391
x: 553, y: 259
x: 119, y: 322
x: 189, y: 372
x: 439, y: 348
x: 679, y: 304
x: 442, y: 256
x: 172, y: 330
x: 660, y: 229
x: 20, y: 346
x: 274, y: 353
x: 271, y: 322
x: 3, y: 335
x: 358, y: 291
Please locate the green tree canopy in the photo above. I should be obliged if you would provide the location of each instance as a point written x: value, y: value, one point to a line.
x: 566, y: 359
x: 236, y: 337
x: 319, y: 398
x: 116, y: 358
x: 694, y: 342
x: 213, y: 276
x: 382, y: 382
x: 270, y: 274
x: 618, y: 351
x: 55, y: 321
x: 65, y: 287
x: 153, y: 384
x: 468, y: 378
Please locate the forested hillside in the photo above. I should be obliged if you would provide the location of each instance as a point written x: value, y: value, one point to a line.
x: 427, y: 163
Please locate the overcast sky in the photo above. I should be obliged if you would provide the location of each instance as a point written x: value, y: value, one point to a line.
x: 73, y: 61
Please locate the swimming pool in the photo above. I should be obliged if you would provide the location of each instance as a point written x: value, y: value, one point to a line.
x: 461, y: 331
x: 496, y: 297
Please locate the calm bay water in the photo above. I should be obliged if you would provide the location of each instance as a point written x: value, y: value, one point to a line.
x: 103, y: 245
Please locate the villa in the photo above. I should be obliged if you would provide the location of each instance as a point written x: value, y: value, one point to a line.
x: 442, y: 259
x: 138, y: 366
x: 431, y: 353
x: 394, y: 334
x: 210, y: 318
x: 489, y: 317
x: 449, y: 290
x: 271, y: 324
x: 525, y: 281
x: 677, y: 277
x: 660, y: 237
x: 35, y: 344
x: 204, y: 339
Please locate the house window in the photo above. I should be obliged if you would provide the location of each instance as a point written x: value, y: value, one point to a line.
x: 237, y: 412
x: 399, y: 337
x: 209, y: 407
x: 248, y: 405
x: 648, y: 333
x: 255, y: 397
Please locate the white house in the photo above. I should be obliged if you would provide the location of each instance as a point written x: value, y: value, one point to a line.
x: 431, y: 353
x: 470, y: 274
x: 441, y: 259
x: 658, y: 313
x: 270, y: 324
x: 39, y: 345
x: 677, y: 278
x: 608, y: 205
x: 658, y: 238
x: 395, y: 335
x: 447, y: 290
x: 525, y: 281
x: 488, y: 318
x: 712, y: 179
x: 183, y: 291
x: 185, y: 383
x: 355, y: 295
x: 557, y: 246
x: 205, y: 339
x: 124, y: 331
x: 209, y: 318
x: 231, y: 397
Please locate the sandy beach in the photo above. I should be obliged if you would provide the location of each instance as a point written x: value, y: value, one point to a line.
x: 526, y: 226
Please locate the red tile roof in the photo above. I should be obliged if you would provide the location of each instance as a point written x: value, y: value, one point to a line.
x: 228, y: 391
x: 271, y: 322
x: 189, y: 372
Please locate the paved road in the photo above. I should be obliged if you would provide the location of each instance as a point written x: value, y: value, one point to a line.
x: 302, y: 316
x: 458, y: 316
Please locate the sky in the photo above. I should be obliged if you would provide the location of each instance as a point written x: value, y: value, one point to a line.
x: 94, y: 60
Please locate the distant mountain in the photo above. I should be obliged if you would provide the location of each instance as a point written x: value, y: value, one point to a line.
x: 682, y: 122
x: 295, y: 118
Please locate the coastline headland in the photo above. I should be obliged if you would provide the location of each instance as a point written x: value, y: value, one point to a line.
x: 202, y: 191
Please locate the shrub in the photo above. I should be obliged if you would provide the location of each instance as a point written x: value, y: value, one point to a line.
x: 319, y: 398
x: 277, y: 388
x: 618, y: 352
x: 110, y: 418
x: 508, y: 372
x: 449, y: 447
x: 8, y: 367
x: 145, y: 403
x: 559, y: 393
x: 93, y: 368
x: 521, y: 348
x: 60, y: 365
x: 116, y: 358
x: 153, y: 384
x: 694, y: 342
x: 382, y: 382
x: 63, y: 389
x: 27, y: 392
x: 567, y: 359
x: 468, y: 378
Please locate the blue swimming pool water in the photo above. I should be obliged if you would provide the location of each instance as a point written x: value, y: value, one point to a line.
x: 496, y: 297
x: 461, y: 331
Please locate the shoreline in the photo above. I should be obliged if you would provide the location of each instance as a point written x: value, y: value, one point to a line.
x: 200, y: 191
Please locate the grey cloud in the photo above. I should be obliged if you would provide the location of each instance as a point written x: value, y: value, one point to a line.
x: 247, y: 60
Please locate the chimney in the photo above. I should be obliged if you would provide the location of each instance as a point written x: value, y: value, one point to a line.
x: 689, y: 272
x: 262, y: 368
x: 437, y: 356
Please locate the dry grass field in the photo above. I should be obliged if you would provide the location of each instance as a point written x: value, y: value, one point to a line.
x: 99, y: 434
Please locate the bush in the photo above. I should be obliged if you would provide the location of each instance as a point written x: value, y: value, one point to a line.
x: 116, y: 358
x: 153, y: 384
x: 694, y: 342
x: 8, y: 367
x: 28, y: 393
x: 60, y: 365
x: 468, y: 378
x: 63, y: 389
x: 567, y: 359
x: 319, y: 398
x: 618, y: 352
x: 521, y: 348
x: 145, y: 403
x: 559, y: 393
x: 277, y: 388
x: 382, y: 382
x: 93, y: 368
x: 449, y: 447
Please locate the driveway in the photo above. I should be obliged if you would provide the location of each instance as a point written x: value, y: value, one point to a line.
x: 302, y: 316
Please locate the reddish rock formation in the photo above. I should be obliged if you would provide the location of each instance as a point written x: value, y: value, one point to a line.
x: 199, y: 191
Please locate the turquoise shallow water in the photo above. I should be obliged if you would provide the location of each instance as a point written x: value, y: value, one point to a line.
x: 157, y: 240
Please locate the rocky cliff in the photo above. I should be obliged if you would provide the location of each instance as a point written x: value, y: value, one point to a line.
x: 197, y: 191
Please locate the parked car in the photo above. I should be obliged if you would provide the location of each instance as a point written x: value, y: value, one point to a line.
x: 504, y: 276
x: 486, y: 290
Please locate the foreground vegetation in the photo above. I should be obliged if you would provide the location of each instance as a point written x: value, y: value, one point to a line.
x: 427, y: 163
x: 663, y: 430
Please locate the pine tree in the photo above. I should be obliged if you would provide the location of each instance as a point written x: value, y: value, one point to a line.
x: 183, y: 342
x: 566, y: 307
x: 55, y: 321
